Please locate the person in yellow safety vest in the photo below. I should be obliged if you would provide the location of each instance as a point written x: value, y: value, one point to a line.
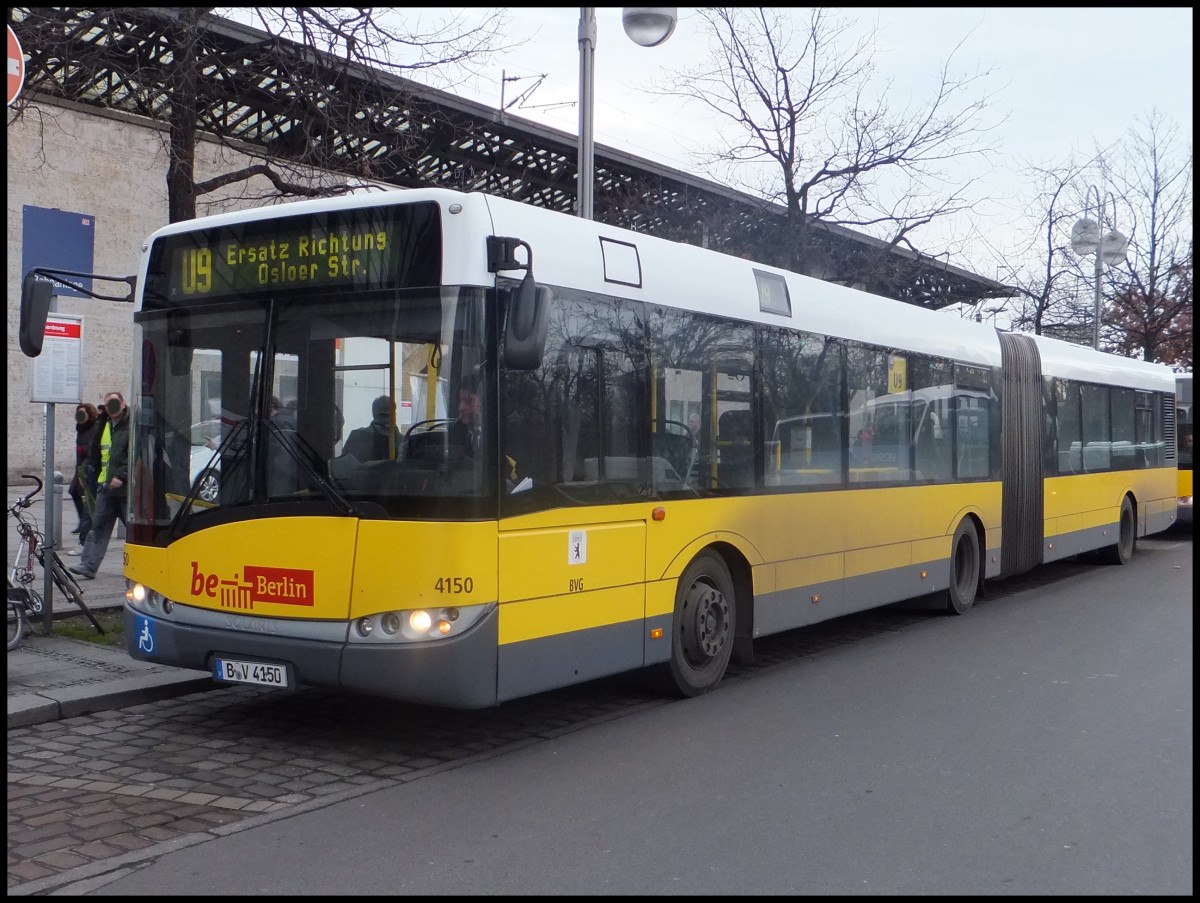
x: 109, y: 454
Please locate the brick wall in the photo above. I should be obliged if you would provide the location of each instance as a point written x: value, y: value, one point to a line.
x: 114, y: 167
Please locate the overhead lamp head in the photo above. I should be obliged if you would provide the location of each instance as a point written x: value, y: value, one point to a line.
x: 1085, y: 237
x: 649, y: 26
x: 1113, y: 246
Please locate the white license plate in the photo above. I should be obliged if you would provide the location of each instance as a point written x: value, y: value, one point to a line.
x: 261, y: 673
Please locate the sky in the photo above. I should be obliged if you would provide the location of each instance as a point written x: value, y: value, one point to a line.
x: 1067, y: 76
x: 1067, y: 79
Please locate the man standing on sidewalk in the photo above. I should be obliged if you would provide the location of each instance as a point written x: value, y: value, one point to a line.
x: 109, y: 454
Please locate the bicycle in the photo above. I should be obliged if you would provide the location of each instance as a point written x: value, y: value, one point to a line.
x: 24, y: 603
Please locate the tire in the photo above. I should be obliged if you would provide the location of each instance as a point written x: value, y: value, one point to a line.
x: 16, y: 624
x: 33, y: 604
x: 70, y: 588
x: 1121, y: 551
x: 702, y: 628
x: 965, y: 564
x: 210, y: 487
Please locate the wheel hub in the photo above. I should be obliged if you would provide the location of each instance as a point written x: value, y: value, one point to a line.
x: 707, y: 629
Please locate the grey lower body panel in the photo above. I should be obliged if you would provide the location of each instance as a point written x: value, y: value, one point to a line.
x: 456, y: 673
x: 791, y: 608
x: 1078, y: 541
x: 533, y: 666
x: 1156, y: 523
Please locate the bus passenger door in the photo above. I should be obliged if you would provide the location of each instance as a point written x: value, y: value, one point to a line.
x: 572, y: 570
x: 572, y: 598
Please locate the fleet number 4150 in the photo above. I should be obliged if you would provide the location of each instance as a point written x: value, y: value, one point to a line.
x: 455, y: 585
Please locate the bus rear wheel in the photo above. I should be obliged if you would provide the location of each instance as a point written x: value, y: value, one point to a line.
x: 1121, y: 551
x: 964, y: 570
x: 702, y: 628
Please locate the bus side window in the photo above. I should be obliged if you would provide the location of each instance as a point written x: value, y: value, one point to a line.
x: 933, y: 442
x: 972, y: 442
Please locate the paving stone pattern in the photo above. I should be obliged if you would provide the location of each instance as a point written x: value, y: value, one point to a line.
x: 96, y: 792
x: 93, y: 793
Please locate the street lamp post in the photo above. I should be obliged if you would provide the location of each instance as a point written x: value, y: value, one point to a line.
x: 1088, y: 237
x: 646, y: 26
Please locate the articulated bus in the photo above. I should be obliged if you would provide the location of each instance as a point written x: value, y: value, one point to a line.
x: 679, y: 452
x: 1184, y: 431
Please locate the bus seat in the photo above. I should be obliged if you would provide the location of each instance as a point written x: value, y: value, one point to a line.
x: 1097, y: 456
x: 735, y: 426
x: 735, y: 467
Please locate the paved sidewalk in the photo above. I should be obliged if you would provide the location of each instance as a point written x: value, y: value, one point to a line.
x: 52, y: 677
x: 58, y: 677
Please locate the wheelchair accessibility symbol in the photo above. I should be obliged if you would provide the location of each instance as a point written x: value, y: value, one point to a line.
x: 145, y: 642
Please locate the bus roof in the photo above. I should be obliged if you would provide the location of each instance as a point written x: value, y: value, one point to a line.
x: 596, y: 257
x: 1079, y: 362
x: 578, y: 252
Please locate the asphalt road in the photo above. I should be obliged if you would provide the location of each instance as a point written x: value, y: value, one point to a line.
x: 1040, y: 745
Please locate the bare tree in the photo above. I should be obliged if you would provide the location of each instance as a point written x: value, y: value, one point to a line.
x: 1051, y: 297
x: 808, y: 131
x: 1146, y: 300
x: 1154, y: 179
x: 318, y: 70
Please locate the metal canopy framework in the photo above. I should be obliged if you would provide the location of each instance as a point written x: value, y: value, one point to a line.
x: 281, y: 101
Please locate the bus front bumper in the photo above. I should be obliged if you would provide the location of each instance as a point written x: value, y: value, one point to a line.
x: 458, y: 672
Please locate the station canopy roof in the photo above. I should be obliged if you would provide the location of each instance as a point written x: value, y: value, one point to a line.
x: 285, y: 103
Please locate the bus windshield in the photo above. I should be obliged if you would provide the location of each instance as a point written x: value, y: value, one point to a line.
x: 349, y: 403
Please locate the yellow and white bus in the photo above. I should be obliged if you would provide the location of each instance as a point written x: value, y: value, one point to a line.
x: 1184, y: 431
x: 847, y: 451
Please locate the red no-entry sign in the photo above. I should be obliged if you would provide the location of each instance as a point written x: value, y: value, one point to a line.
x: 16, y: 67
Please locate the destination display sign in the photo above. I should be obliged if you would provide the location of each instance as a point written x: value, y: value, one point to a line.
x: 362, y: 249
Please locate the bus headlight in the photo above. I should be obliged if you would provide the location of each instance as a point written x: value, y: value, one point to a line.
x: 144, y: 599
x: 416, y: 625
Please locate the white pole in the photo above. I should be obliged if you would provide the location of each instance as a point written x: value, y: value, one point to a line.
x: 587, y: 62
x: 1099, y: 264
x: 52, y: 501
x: 1096, y: 324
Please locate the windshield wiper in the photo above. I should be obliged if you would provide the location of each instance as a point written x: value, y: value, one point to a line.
x: 190, y: 498
x: 290, y: 441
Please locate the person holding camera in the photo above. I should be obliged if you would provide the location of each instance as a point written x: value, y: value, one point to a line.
x: 109, y: 454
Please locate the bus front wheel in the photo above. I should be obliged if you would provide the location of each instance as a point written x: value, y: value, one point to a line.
x: 702, y: 628
x: 1121, y: 551
x: 964, y: 569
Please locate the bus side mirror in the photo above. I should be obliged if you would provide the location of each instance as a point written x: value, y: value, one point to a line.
x: 525, y: 331
x: 35, y: 307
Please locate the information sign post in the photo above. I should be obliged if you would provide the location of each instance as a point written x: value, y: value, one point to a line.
x: 56, y: 379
